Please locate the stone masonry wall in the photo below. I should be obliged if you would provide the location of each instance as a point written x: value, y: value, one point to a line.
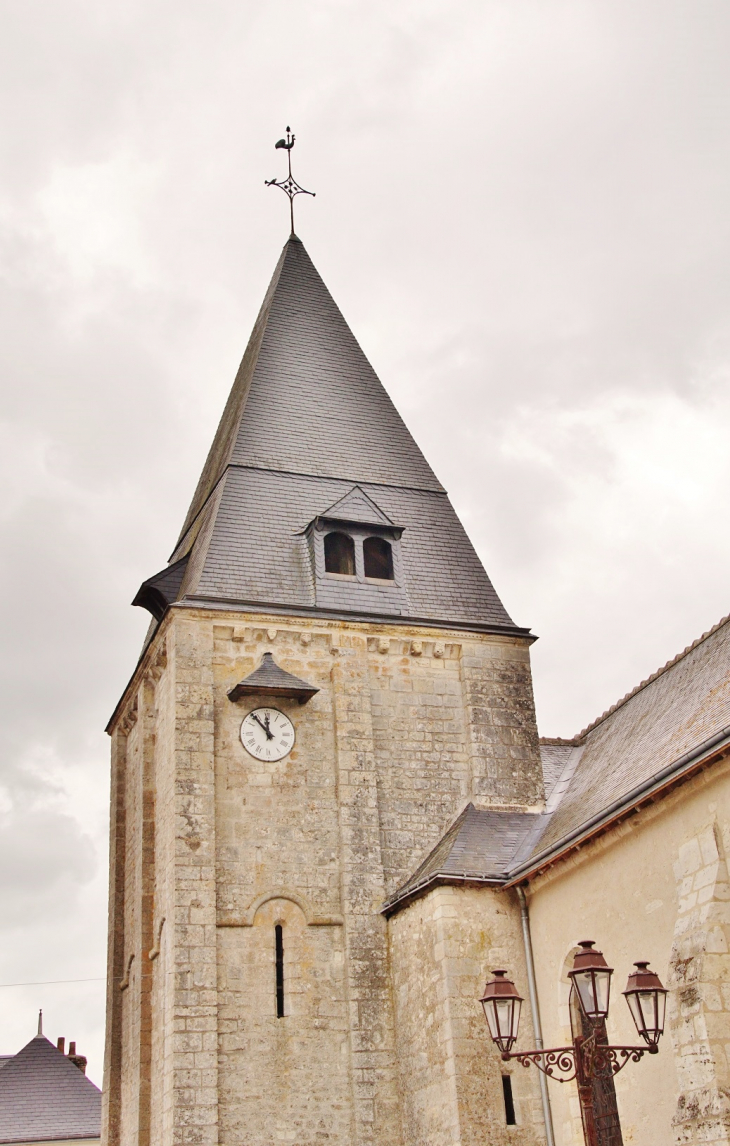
x: 699, y: 1000
x: 214, y: 849
x: 453, y: 721
x: 443, y: 947
x: 500, y: 712
x: 134, y: 1082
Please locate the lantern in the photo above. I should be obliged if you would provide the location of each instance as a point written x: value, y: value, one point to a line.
x: 502, y: 1005
x: 591, y: 977
x: 647, y: 1000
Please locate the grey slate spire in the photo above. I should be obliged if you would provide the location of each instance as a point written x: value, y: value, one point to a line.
x: 307, y: 423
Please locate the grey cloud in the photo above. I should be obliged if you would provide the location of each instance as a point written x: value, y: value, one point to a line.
x: 44, y: 862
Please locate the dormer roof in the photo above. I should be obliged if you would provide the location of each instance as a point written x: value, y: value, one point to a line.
x: 356, y: 506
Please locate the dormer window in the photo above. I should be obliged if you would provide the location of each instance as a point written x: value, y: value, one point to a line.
x: 378, y: 558
x: 339, y: 554
x: 357, y: 557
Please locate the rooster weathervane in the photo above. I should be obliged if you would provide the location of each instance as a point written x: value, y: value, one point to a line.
x: 288, y: 185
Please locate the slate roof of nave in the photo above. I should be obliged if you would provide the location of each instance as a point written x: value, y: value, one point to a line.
x: 677, y: 710
x: 44, y: 1096
x: 668, y: 722
x: 307, y: 423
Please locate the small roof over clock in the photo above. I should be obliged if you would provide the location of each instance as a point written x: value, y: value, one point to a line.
x: 270, y: 678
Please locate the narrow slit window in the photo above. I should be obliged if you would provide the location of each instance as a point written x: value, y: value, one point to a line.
x: 339, y: 554
x: 378, y: 556
x: 509, y: 1102
x: 279, y: 947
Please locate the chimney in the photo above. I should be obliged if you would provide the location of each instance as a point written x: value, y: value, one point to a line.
x: 60, y: 1045
x: 78, y: 1060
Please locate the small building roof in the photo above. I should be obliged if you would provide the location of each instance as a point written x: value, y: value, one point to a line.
x: 44, y: 1097
x: 478, y: 848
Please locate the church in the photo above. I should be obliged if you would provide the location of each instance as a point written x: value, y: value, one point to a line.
x: 332, y: 816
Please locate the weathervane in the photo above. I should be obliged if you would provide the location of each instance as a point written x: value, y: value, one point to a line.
x: 288, y: 185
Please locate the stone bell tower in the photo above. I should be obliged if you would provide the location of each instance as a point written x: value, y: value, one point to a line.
x: 329, y: 679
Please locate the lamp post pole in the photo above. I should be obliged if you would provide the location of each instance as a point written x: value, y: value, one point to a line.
x: 585, y: 1092
x: 587, y: 1059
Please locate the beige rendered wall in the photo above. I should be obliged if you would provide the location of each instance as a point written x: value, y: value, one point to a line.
x: 443, y: 947
x: 654, y: 888
x: 210, y: 849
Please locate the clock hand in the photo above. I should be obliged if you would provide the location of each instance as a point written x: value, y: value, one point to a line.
x: 269, y: 735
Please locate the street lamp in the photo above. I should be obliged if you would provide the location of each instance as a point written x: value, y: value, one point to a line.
x: 587, y: 1058
x: 591, y: 977
x: 647, y: 1000
x: 502, y: 1005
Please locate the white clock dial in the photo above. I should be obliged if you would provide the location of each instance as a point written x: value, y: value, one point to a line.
x: 267, y: 734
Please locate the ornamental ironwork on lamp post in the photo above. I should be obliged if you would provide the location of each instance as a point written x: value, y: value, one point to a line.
x: 590, y: 1057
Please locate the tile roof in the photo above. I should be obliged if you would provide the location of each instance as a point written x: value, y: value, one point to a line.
x: 270, y: 677
x: 44, y: 1097
x: 310, y: 431
x: 478, y: 847
x: 677, y: 709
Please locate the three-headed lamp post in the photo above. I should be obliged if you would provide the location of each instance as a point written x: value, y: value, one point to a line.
x: 590, y: 1056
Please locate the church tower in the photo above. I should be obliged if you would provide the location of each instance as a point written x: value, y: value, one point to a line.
x: 328, y: 683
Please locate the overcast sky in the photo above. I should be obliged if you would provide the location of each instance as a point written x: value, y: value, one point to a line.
x: 522, y: 210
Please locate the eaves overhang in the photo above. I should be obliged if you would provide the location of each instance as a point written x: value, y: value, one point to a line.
x: 382, y: 528
x: 234, y: 604
x: 441, y: 879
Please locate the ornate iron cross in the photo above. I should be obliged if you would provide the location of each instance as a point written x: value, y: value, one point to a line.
x: 288, y: 185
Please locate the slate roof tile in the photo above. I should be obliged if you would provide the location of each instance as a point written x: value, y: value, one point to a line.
x: 44, y: 1096
x: 479, y: 846
x: 677, y: 709
x: 270, y: 677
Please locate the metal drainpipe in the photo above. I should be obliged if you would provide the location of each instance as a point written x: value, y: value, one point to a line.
x: 534, y: 1006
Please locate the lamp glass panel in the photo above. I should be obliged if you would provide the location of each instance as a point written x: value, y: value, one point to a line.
x: 661, y: 1004
x: 503, y: 1017
x: 593, y: 988
x: 603, y: 989
x: 516, y: 1018
x: 584, y: 984
x: 648, y: 1011
x: 649, y: 1002
x: 491, y: 1020
x: 504, y: 1009
x: 635, y: 1009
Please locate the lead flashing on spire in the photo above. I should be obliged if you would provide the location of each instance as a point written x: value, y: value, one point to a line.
x: 40, y: 1023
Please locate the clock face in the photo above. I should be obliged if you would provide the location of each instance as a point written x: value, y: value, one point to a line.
x: 267, y: 734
